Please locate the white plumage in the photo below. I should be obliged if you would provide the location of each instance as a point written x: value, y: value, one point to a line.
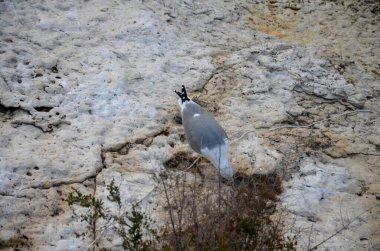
x: 204, y: 134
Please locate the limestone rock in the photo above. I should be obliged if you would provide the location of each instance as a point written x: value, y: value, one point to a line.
x: 86, y: 97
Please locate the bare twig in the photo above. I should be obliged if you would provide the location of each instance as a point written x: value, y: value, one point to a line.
x: 105, y: 227
x: 299, y: 126
x: 309, y: 239
x: 109, y: 223
x: 341, y: 229
x: 320, y: 121
x: 195, y: 210
x: 195, y: 161
x: 219, y: 195
x: 171, y: 214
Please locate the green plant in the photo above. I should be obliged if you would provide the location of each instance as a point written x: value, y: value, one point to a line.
x: 94, y: 205
x: 134, y: 227
x: 114, y: 193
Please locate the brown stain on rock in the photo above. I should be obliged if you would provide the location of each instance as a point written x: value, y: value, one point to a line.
x: 272, y: 21
x: 183, y: 161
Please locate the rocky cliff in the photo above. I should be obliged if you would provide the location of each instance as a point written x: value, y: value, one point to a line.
x: 86, y: 97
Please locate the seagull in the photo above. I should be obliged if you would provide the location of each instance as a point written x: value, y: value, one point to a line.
x: 204, y: 134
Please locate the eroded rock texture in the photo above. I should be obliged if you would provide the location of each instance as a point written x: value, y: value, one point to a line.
x: 86, y: 97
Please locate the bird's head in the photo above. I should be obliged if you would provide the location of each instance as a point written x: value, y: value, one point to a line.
x: 182, y: 95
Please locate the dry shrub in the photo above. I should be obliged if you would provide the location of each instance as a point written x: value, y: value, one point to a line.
x: 217, y: 215
x: 181, y: 161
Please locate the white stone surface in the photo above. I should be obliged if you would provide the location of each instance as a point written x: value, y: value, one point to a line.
x: 86, y: 96
x: 324, y: 198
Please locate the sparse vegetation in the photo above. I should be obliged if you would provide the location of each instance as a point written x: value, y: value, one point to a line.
x: 94, y: 212
x: 202, y: 215
x: 130, y: 226
x: 114, y: 193
x: 242, y: 221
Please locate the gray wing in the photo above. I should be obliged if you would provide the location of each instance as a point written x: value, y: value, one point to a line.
x: 201, y: 130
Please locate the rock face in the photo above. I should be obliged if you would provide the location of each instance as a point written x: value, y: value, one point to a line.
x: 86, y: 96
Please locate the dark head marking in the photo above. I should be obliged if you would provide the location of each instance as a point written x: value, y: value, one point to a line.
x: 183, y: 94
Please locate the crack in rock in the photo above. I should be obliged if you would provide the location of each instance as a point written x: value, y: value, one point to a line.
x: 15, y: 196
x: 57, y: 183
x: 46, y: 129
x: 11, y: 109
x: 43, y: 108
x: 125, y: 147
